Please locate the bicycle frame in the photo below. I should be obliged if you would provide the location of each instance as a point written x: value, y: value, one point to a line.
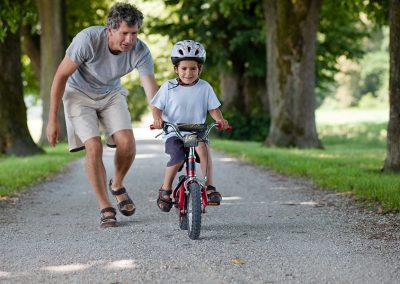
x: 190, y: 196
x: 181, y: 190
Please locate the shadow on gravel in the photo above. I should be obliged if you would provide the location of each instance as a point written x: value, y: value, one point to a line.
x: 130, y: 223
x: 238, y: 231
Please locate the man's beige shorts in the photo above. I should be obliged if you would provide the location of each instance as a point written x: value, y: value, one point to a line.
x: 85, y: 117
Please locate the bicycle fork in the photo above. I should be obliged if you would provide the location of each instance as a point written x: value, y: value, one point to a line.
x: 190, y: 177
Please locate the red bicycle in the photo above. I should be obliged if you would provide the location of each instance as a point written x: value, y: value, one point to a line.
x: 189, y: 195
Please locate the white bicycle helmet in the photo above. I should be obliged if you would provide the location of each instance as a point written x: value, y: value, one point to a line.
x: 188, y: 50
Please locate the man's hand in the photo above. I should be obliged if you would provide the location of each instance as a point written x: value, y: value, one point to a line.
x: 53, y: 132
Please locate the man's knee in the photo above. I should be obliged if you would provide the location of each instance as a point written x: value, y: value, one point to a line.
x: 93, y: 147
x: 125, y: 142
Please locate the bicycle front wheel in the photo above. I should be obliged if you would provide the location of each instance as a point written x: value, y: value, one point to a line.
x: 194, y: 211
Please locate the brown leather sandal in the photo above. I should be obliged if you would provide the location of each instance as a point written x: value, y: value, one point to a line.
x: 214, y: 197
x: 108, y: 221
x: 163, y: 203
x: 123, y: 203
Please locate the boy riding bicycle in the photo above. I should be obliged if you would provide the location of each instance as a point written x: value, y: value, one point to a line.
x: 186, y: 99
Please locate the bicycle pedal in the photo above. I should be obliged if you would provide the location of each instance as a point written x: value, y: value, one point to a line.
x: 213, y: 203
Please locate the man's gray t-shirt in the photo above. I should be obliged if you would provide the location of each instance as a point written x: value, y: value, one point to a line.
x: 99, y: 70
x: 185, y: 104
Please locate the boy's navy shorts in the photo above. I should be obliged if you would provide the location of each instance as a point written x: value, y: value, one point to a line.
x: 174, y: 147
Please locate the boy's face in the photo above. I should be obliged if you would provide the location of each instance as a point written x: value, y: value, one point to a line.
x: 122, y: 39
x: 188, y: 71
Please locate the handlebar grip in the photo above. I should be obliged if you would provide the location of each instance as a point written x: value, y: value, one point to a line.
x: 152, y: 127
x: 228, y: 128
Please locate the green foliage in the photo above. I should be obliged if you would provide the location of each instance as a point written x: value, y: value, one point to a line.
x: 344, y: 29
x: 340, y: 33
x: 374, y: 71
x: 137, y: 102
x: 351, y: 162
x: 377, y: 11
x: 82, y: 14
x: 29, y: 78
x: 232, y: 33
x: 18, y: 172
x: 13, y: 14
x: 253, y: 127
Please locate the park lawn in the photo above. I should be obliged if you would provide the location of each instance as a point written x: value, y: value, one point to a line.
x: 351, y: 161
x: 16, y: 173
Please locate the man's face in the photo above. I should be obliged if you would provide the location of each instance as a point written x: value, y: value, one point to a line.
x: 122, y: 39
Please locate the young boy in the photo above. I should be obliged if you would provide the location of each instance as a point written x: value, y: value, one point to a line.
x: 186, y: 99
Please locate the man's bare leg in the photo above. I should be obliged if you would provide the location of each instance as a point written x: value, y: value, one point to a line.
x: 95, y: 170
x: 123, y: 159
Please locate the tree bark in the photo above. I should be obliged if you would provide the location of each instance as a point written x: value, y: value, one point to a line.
x: 230, y: 90
x: 52, y: 51
x: 291, y: 39
x: 15, y: 138
x: 31, y: 46
x: 244, y: 94
x: 255, y: 95
x: 392, y: 161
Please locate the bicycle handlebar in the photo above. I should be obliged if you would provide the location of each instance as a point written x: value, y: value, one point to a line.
x: 176, y: 127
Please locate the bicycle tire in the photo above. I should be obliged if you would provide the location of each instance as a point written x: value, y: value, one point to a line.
x: 194, y: 211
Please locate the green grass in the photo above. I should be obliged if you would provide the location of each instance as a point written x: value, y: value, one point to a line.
x: 16, y: 173
x: 351, y: 162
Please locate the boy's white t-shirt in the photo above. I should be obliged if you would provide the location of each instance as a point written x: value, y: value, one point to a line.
x: 185, y: 104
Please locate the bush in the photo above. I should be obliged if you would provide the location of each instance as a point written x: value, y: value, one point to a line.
x: 246, y: 127
x: 137, y: 102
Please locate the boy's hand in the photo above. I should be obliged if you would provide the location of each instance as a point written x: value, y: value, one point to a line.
x: 158, y: 123
x: 223, y: 122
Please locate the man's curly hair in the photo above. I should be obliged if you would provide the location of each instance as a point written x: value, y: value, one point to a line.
x: 123, y: 12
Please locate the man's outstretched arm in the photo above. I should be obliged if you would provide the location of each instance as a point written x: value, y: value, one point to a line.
x: 64, y: 70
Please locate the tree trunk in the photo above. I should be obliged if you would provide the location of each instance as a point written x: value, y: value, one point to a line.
x: 15, y: 138
x: 31, y: 46
x: 254, y: 94
x: 229, y: 84
x: 291, y: 39
x: 243, y: 94
x: 392, y: 161
x: 52, y: 51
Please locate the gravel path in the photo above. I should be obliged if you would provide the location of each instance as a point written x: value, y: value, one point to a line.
x: 269, y: 229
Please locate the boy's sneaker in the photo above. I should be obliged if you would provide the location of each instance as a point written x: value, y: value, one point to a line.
x: 214, y: 197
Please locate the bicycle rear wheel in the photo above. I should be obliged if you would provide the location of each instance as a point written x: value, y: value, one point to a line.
x: 194, y: 211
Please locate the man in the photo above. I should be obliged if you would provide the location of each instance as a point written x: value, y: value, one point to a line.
x: 88, y: 82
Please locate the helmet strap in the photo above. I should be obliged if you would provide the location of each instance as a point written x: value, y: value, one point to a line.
x: 183, y: 84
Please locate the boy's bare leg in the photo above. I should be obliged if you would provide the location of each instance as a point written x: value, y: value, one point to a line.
x: 170, y: 173
x: 214, y: 197
x: 95, y: 170
x: 205, y: 161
